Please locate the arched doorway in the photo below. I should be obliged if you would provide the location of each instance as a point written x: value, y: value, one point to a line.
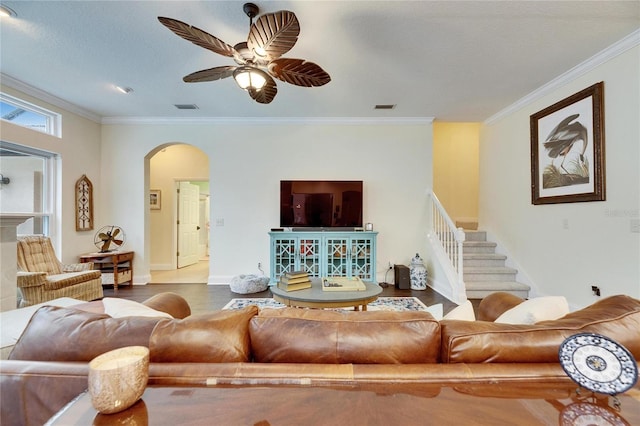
x: 174, y: 212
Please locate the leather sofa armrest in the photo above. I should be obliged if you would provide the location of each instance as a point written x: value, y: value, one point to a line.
x: 171, y: 303
x: 77, y: 267
x: 495, y: 304
x: 30, y: 279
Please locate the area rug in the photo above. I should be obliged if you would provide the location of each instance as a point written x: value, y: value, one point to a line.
x: 381, y: 304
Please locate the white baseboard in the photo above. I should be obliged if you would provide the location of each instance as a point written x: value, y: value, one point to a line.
x: 219, y: 279
x: 141, y: 279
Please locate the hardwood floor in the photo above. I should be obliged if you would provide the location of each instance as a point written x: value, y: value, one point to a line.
x: 204, y: 298
x: 197, y: 273
x: 190, y: 283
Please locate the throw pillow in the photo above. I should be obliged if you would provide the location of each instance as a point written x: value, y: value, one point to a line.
x: 318, y: 336
x: 463, y: 312
x: 435, y: 310
x: 221, y: 336
x: 67, y: 334
x: 534, y: 310
x: 118, y: 308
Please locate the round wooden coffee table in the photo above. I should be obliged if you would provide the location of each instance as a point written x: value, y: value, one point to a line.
x: 314, y: 297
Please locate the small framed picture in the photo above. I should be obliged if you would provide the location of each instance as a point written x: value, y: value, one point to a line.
x: 155, y: 199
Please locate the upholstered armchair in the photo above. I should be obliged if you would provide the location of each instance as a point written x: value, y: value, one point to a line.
x: 42, y: 277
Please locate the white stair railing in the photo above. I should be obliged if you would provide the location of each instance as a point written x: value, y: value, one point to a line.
x: 450, y: 237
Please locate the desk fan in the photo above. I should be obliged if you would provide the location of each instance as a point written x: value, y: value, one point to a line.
x: 107, y: 236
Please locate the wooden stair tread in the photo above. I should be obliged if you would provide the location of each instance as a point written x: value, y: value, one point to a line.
x: 491, y: 256
x: 488, y: 270
x: 496, y: 285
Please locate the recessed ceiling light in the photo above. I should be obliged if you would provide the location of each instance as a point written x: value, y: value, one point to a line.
x: 124, y: 90
x: 385, y: 106
x: 7, y: 11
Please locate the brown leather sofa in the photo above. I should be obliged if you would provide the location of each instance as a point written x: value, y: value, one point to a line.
x: 296, y: 347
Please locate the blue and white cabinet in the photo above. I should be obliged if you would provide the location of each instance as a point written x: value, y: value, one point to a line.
x: 324, y: 254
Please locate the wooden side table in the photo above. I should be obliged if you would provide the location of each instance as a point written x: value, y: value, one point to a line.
x: 118, y: 263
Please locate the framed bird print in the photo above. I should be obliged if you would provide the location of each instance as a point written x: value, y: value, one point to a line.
x: 567, y: 149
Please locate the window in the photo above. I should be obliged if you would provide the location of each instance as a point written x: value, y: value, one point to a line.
x: 28, y: 115
x: 28, y: 186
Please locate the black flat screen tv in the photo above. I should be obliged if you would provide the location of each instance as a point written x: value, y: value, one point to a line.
x: 321, y: 203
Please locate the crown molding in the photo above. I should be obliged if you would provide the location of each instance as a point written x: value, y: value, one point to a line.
x: 616, y: 49
x: 265, y: 121
x: 47, y: 97
x: 68, y: 106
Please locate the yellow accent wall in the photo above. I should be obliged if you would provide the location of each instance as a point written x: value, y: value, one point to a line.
x: 455, y: 168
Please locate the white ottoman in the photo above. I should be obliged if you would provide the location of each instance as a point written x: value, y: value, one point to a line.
x: 245, y: 284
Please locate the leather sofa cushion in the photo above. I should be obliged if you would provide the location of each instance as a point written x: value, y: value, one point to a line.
x: 67, y: 334
x: 295, y: 335
x: 617, y: 317
x: 221, y: 336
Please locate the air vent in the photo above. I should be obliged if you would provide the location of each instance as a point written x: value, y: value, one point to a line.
x: 385, y: 106
x: 186, y: 106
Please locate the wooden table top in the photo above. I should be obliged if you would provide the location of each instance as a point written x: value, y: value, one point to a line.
x: 315, y: 297
x: 105, y: 254
x: 397, y: 404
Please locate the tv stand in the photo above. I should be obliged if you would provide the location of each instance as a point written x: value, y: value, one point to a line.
x: 330, y: 252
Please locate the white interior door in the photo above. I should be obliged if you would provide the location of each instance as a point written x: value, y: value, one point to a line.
x: 203, y: 239
x: 188, y: 218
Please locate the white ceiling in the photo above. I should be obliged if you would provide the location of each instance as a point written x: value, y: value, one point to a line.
x: 452, y: 60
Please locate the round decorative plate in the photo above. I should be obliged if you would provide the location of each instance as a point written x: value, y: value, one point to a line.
x: 598, y: 363
x: 584, y: 413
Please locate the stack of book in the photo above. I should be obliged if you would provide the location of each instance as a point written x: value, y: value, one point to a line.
x: 295, y: 280
x: 343, y: 284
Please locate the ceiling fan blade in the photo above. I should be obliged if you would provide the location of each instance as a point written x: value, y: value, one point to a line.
x: 266, y: 94
x: 197, y: 36
x: 299, y: 72
x: 273, y: 34
x: 210, y: 74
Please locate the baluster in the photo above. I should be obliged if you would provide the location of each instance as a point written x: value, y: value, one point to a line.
x: 450, y: 237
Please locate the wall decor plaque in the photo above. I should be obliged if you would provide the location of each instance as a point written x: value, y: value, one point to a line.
x: 84, y: 204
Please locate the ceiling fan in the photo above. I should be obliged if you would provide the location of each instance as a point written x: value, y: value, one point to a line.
x: 259, y: 58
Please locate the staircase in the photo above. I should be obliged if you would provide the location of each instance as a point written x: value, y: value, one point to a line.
x: 484, y: 271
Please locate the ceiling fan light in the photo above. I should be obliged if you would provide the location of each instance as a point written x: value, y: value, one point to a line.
x: 6, y: 11
x: 248, y: 77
